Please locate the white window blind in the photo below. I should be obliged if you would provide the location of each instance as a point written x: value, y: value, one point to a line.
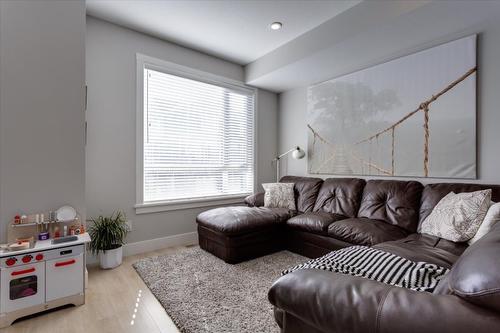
x: 198, y: 139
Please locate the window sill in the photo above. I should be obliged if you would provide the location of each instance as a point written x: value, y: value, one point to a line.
x: 165, y: 206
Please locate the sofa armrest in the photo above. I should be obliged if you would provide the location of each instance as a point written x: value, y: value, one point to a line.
x: 329, y: 301
x: 255, y: 200
x: 333, y: 302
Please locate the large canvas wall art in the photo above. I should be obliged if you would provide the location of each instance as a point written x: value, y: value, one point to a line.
x: 413, y: 116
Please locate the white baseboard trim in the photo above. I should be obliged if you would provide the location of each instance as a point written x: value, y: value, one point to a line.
x: 189, y: 238
x: 130, y: 249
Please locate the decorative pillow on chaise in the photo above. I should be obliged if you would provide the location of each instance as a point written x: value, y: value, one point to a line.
x: 492, y: 217
x: 279, y: 195
x: 457, y: 217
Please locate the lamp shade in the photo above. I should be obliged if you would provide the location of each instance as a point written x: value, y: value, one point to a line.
x: 298, y: 153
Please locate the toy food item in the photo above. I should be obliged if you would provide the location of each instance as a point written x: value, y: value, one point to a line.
x: 19, y: 246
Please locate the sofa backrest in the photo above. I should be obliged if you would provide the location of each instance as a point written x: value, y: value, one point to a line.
x: 392, y: 201
x: 433, y: 193
x: 475, y: 277
x: 402, y: 203
x: 340, y: 196
x: 306, y: 191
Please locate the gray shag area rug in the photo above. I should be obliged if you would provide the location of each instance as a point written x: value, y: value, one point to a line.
x: 201, y: 293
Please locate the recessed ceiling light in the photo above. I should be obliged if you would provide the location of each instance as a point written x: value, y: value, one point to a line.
x: 276, y: 25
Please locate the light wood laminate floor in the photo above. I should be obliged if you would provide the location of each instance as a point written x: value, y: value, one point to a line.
x: 110, y: 306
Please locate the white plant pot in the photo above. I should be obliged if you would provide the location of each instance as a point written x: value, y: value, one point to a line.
x: 111, y: 258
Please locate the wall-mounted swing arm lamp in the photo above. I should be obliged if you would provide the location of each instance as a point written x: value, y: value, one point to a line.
x: 297, y: 154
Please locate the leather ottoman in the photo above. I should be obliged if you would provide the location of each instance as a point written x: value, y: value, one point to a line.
x: 236, y: 234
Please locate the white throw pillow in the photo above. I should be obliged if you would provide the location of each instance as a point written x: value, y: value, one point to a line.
x: 492, y: 217
x: 457, y: 217
x: 279, y: 195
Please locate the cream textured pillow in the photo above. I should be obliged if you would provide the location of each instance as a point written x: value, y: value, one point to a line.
x: 457, y: 217
x: 279, y: 195
x: 492, y: 217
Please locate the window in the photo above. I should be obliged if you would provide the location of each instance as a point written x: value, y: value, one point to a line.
x: 197, y: 138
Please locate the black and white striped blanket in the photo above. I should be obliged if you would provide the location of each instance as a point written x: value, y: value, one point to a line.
x: 379, y: 266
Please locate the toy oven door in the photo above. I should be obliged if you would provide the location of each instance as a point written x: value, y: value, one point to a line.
x: 22, y: 287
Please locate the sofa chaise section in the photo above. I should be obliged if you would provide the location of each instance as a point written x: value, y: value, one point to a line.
x: 235, y: 234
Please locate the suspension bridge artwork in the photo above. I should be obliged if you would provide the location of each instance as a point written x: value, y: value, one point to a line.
x: 414, y: 116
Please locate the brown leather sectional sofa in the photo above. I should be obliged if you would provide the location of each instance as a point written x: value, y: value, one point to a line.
x: 385, y: 214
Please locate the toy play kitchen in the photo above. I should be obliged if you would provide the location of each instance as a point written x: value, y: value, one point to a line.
x: 43, y: 265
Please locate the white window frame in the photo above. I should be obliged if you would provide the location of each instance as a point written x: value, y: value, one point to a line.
x: 144, y: 61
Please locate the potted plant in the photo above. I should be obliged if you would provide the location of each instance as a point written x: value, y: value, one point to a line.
x: 107, y: 235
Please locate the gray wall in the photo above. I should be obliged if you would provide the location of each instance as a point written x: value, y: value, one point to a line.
x: 293, y: 103
x: 42, y: 80
x: 110, y: 162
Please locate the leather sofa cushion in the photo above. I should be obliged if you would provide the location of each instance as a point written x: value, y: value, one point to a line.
x: 364, y: 231
x: 340, y: 196
x: 425, y: 248
x: 312, y: 245
x: 433, y: 193
x: 475, y: 277
x: 239, y: 219
x: 306, y: 191
x: 316, y: 222
x: 394, y: 202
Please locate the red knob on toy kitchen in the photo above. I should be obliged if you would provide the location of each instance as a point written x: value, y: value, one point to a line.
x: 39, y: 257
x: 27, y: 259
x: 10, y: 261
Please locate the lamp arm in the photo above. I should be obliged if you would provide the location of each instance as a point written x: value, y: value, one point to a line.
x: 278, y: 158
x: 286, y: 153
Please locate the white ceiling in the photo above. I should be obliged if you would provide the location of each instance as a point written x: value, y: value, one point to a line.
x: 235, y: 30
x: 371, y: 33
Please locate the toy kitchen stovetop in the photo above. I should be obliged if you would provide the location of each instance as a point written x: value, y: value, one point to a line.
x: 41, y: 277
